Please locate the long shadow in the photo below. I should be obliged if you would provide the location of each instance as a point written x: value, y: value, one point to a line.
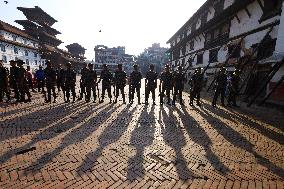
x: 198, y: 135
x: 47, y: 134
x: 76, y: 135
x: 239, y: 141
x: 141, y: 137
x: 110, y: 135
x: 36, y: 120
x: 174, y: 137
x: 277, y: 137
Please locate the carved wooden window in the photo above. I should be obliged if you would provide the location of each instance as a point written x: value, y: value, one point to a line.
x: 213, y: 55
x: 216, y: 33
x: 225, y: 29
x: 191, y: 45
x: 218, y: 6
x: 16, y: 50
x: 183, y: 62
x: 271, y: 8
x: 3, y: 49
x: 266, y: 49
x: 4, y: 58
x: 234, y: 51
x: 208, y: 37
x: 204, y: 18
x: 199, y: 59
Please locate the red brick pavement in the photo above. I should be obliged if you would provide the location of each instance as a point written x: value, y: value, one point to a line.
x: 91, y: 145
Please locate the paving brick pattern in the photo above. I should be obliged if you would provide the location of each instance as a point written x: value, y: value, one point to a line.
x: 91, y: 145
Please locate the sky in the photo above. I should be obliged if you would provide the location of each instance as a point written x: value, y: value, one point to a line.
x: 135, y: 24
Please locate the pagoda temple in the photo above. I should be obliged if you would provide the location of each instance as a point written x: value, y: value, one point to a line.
x: 39, y: 25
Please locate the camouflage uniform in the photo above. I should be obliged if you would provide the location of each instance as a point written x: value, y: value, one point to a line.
x: 83, y: 86
x: 220, y: 88
x: 135, y: 85
x: 196, y: 87
x: 233, y: 89
x: 13, y: 81
x: 106, y: 76
x: 151, y: 85
x: 90, y: 84
x: 50, y: 80
x: 166, y: 79
x: 120, y: 82
x: 4, y: 88
x: 60, y: 79
x: 70, y: 83
x: 23, y: 83
x: 179, y: 79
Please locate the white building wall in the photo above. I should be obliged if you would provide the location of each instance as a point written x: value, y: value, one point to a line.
x: 228, y: 3
x: 211, y: 13
x: 34, y: 62
x: 248, y: 23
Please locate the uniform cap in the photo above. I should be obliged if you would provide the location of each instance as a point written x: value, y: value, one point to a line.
x: 20, y: 62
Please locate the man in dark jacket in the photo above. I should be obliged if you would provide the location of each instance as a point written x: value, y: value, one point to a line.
x: 4, y: 85
x: 151, y: 84
x: 135, y: 84
x: 50, y: 80
x: 220, y: 87
x: 196, y: 86
x: 22, y: 82
x: 13, y: 79
x: 70, y: 82
x: 166, y: 83
x: 120, y: 82
x: 179, y: 80
x: 84, y: 72
x: 90, y: 82
x: 106, y: 78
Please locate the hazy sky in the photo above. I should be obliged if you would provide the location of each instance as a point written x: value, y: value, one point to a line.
x: 135, y: 24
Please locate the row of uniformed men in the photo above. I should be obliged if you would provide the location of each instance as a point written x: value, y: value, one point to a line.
x: 66, y: 80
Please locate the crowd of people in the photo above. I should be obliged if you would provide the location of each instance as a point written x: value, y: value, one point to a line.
x: 172, y: 83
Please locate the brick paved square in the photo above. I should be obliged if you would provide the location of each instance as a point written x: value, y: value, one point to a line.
x: 91, y: 145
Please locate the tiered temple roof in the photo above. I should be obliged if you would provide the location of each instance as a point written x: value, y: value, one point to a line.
x: 37, y: 15
x: 39, y: 25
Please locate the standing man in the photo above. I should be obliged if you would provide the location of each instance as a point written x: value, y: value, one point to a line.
x: 196, y: 86
x: 233, y: 87
x: 60, y: 79
x: 30, y: 78
x: 70, y: 82
x: 40, y: 79
x: 106, y: 76
x: 50, y: 79
x: 166, y: 83
x: 220, y: 87
x: 4, y: 85
x: 135, y: 84
x: 90, y: 82
x: 120, y: 82
x: 151, y: 84
x: 84, y: 72
x: 179, y: 80
x: 13, y: 79
x: 22, y: 82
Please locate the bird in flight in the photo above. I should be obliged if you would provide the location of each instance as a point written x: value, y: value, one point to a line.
x: 6, y: 2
